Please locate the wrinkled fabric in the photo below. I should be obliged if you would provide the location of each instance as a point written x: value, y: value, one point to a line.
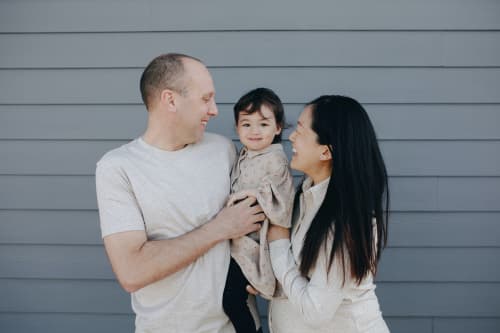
x: 266, y: 175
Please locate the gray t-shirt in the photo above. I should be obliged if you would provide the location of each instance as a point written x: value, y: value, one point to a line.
x: 167, y: 194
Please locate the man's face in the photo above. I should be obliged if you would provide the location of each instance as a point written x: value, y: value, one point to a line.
x: 197, y: 106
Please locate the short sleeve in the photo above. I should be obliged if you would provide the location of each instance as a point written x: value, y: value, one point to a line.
x: 118, y: 207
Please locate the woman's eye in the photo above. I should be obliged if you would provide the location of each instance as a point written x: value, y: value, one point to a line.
x: 264, y: 125
x: 246, y: 125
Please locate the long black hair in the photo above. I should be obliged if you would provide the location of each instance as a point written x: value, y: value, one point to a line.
x: 356, y: 192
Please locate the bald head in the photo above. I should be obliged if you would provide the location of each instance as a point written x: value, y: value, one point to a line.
x: 166, y: 71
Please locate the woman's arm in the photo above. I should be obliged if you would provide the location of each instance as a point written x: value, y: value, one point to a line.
x: 317, y: 298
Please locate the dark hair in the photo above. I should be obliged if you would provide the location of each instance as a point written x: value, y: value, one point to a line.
x: 164, y: 72
x: 355, y: 193
x: 253, y: 100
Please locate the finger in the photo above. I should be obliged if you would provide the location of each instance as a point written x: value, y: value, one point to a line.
x: 259, y: 217
x: 249, y: 201
x: 256, y: 227
x: 251, y: 290
x: 257, y: 209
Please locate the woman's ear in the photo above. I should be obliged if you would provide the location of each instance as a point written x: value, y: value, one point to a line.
x: 326, y: 154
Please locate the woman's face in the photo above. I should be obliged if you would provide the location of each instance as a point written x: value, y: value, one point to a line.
x: 307, y: 152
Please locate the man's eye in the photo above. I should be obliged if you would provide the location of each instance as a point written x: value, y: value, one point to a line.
x: 246, y: 125
x: 264, y: 125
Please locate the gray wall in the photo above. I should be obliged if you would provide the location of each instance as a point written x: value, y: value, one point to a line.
x: 427, y: 71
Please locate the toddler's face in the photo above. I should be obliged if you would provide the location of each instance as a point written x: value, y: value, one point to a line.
x: 257, y: 130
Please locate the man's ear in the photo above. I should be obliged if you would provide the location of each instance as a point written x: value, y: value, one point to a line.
x: 326, y: 154
x: 167, y: 99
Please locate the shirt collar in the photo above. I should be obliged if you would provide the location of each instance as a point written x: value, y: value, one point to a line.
x: 253, y: 153
x: 317, y: 191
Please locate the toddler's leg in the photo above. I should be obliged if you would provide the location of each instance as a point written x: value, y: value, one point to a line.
x: 235, y: 300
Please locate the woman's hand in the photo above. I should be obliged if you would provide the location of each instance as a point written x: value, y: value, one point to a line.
x: 276, y: 232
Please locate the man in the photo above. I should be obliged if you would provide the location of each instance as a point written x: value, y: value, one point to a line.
x: 161, y: 204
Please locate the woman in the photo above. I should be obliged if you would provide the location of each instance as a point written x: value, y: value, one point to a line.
x: 326, y: 270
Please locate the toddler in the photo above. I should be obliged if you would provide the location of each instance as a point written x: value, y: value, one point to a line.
x: 261, y: 171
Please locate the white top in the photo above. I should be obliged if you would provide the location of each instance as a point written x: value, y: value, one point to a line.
x: 318, y: 303
x: 167, y: 194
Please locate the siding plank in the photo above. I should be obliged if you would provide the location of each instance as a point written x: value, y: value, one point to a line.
x: 406, y: 229
x: 237, y: 48
x: 51, y: 192
x: 156, y: 15
x: 403, y: 158
x: 466, y: 325
x: 397, y: 265
x: 49, y: 227
x: 391, y: 121
x: 439, y: 299
x: 409, y: 325
x: 469, y: 193
x: 369, y: 85
x: 464, y: 229
x: 397, y: 299
x: 63, y: 323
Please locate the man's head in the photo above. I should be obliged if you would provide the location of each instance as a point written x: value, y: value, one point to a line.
x: 163, y: 72
x: 181, y: 87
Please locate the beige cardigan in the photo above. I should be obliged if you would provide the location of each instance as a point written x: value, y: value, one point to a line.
x: 266, y: 175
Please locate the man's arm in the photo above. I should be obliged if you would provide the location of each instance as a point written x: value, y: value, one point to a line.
x: 138, y: 262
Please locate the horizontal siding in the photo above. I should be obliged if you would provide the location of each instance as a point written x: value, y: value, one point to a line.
x: 39, y: 226
x: 456, y: 229
x: 105, y: 296
x: 158, y: 15
x: 80, y: 323
x: 407, y: 229
x: 391, y: 121
x: 397, y: 265
x: 368, y: 85
x: 339, y: 48
x: 403, y: 158
x: 466, y: 325
x: 407, y: 193
x: 440, y: 299
x: 66, y: 322
x: 409, y: 325
x: 428, y: 73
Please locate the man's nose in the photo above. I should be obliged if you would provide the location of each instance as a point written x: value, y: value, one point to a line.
x: 213, y: 110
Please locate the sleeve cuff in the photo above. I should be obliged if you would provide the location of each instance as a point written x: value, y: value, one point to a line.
x: 279, y: 250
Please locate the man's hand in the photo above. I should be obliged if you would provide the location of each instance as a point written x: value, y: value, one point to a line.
x: 239, y: 219
x: 240, y: 196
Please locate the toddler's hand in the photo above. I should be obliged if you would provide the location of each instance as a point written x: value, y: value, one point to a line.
x: 252, y: 290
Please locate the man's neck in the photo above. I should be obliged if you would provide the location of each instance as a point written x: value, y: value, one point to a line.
x: 162, y: 134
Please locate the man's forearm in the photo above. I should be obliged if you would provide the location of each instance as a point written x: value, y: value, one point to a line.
x: 150, y: 261
x: 138, y: 262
